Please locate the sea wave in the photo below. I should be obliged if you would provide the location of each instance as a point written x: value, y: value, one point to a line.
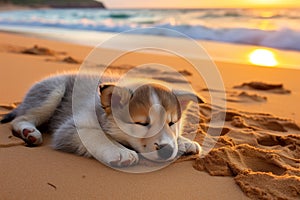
x: 284, y: 38
x: 188, y: 23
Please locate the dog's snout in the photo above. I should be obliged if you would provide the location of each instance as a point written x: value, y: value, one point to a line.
x: 164, y: 151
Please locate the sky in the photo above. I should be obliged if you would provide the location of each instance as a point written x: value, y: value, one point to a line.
x: 199, y: 3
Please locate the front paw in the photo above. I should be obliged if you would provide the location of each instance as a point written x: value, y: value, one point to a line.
x: 187, y: 147
x: 119, y: 157
x: 30, y: 135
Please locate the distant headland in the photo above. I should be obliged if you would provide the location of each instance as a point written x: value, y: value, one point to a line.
x: 55, y: 3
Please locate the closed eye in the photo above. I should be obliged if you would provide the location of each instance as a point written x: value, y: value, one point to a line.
x: 142, y: 124
x: 171, y: 123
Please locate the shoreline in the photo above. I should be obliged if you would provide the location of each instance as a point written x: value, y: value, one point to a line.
x: 238, y: 54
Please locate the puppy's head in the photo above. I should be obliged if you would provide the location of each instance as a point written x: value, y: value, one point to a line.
x: 147, y: 119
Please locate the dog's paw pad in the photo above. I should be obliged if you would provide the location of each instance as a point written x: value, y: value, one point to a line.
x: 31, y: 136
x: 26, y: 132
x: 32, y: 139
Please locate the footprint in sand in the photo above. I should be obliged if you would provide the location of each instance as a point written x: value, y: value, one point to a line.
x: 245, y: 97
x: 261, y: 86
x: 240, y: 97
x: 5, y: 108
x: 260, y: 150
x: 67, y: 59
x: 36, y: 50
x: 44, y: 51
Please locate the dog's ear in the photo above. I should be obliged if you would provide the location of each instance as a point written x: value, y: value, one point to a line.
x: 184, y: 97
x: 113, y: 96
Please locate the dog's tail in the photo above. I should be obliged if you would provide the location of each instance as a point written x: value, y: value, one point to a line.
x: 8, y: 117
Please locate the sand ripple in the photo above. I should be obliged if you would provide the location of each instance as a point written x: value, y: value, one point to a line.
x: 261, y: 151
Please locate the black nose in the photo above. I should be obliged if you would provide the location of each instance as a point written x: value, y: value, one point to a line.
x: 164, y: 151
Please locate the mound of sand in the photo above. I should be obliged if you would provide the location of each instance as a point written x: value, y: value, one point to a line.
x: 273, y: 88
x: 245, y: 97
x: 55, y: 56
x: 261, y: 151
x: 239, y: 97
x: 36, y: 50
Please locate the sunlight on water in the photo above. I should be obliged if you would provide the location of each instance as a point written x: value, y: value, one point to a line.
x: 267, y: 14
x: 263, y: 57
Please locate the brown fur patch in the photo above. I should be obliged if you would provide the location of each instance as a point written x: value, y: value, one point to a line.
x: 140, y: 103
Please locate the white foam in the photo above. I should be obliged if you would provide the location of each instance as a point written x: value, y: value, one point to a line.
x: 232, y: 26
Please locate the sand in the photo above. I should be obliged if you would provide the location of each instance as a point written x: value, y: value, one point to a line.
x: 256, y: 156
x: 260, y: 150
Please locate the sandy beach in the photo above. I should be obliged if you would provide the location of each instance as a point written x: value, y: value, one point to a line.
x: 256, y: 155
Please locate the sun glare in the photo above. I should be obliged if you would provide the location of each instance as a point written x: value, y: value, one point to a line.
x: 266, y: 2
x: 263, y: 57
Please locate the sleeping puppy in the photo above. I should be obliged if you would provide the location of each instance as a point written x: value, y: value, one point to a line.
x: 111, y: 123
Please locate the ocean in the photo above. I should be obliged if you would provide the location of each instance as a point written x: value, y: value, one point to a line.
x: 276, y: 28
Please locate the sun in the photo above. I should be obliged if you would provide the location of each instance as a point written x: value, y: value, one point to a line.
x: 263, y: 57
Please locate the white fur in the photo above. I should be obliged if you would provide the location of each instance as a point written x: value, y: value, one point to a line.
x: 80, y: 132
